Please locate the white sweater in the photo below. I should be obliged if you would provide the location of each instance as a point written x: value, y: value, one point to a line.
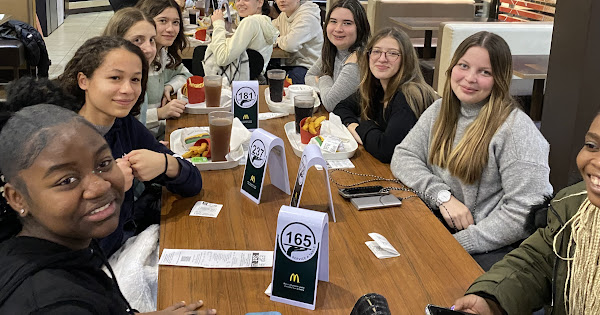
x: 254, y: 32
x: 301, y: 35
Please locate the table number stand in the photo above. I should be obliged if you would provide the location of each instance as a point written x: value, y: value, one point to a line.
x: 265, y: 148
x: 311, y: 156
x: 301, y: 256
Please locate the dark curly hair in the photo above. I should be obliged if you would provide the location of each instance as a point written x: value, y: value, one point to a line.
x: 28, y: 91
x: 152, y: 8
x: 89, y: 57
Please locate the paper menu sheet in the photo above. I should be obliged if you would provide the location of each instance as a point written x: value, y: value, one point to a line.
x: 216, y: 258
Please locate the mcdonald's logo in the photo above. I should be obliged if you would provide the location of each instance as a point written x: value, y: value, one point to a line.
x: 246, y: 116
x: 252, y: 179
x: 294, y: 277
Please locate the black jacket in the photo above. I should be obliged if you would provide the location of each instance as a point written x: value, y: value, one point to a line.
x: 381, y: 135
x: 35, y: 48
x: 41, y: 277
x: 129, y: 134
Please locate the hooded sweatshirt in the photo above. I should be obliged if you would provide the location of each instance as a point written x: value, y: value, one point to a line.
x: 254, y: 32
x: 41, y: 277
x: 301, y: 35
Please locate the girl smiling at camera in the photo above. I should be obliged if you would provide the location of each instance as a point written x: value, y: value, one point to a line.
x: 391, y: 97
x: 336, y: 74
x: 478, y: 157
x: 107, y: 75
x: 134, y: 26
x: 61, y: 188
x: 171, y: 74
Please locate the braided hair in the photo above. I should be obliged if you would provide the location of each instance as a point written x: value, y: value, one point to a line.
x: 23, y: 136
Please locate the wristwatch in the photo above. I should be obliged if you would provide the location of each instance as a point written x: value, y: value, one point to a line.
x: 443, y: 196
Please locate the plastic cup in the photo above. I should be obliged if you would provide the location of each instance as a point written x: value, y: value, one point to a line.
x: 193, y: 16
x: 303, y: 107
x: 276, y: 78
x: 220, y: 134
x: 212, y: 90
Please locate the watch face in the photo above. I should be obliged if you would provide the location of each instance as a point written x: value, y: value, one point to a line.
x: 443, y: 196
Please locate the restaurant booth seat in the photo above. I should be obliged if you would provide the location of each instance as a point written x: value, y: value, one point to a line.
x: 528, y: 38
x: 379, y: 12
x: 12, y: 56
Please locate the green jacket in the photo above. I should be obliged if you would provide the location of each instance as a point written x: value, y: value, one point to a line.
x: 532, y: 276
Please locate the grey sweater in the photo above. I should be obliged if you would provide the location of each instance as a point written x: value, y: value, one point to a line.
x: 345, y: 81
x: 516, y: 176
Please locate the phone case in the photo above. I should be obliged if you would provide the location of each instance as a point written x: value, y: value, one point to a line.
x: 365, y: 203
x: 365, y: 191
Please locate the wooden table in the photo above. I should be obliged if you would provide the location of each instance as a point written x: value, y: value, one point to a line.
x: 430, y: 24
x: 432, y: 267
x: 188, y: 53
x: 533, y: 67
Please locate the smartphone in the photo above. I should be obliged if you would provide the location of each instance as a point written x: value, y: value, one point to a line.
x: 365, y: 191
x: 365, y: 203
x: 438, y: 310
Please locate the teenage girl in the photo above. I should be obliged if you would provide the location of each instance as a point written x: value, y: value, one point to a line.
x: 336, y: 74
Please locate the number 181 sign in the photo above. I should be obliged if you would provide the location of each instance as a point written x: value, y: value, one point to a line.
x: 245, y: 102
x: 301, y: 256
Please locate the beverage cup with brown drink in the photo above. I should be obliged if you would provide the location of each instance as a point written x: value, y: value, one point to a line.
x: 276, y: 78
x: 212, y: 89
x: 303, y: 107
x: 220, y: 123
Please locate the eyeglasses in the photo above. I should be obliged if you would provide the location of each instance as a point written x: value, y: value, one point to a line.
x: 389, y: 55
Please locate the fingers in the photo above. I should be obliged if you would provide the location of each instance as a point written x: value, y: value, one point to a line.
x: 194, y: 306
x: 470, y: 220
x: 175, y: 306
x: 165, y: 143
x: 164, y: 101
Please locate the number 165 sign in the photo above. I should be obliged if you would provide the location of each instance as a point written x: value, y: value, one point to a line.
x: 301, y: 256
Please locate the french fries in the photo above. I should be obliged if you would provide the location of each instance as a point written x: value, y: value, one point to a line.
x: 197, y: 150
x: 313, y: 124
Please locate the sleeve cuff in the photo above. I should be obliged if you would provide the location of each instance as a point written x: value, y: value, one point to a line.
x: 152, y: 118
x: 465, y: 239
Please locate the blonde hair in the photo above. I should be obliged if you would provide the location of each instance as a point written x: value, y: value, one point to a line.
x: 409, y: 79
x: 583, y: 275
x: 470, y: 156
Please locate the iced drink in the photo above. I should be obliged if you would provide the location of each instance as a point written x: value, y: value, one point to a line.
x: 212, y: 90
x: 303, y: 107
x: 220, y: 134
x: 276, y: 78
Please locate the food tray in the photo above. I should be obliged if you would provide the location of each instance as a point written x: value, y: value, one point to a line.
x: 201, y: 107
x: 286, y: 105
x: 176, y: 143
x: 350, y: 146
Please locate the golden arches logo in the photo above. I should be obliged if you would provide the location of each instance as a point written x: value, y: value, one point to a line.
x: 252, y: 179
x: 246, y: 116
x: 294, y: 277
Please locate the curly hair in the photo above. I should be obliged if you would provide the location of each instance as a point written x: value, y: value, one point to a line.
x: 152, y: 8
x: 28, y: 91
x: 90, y: 57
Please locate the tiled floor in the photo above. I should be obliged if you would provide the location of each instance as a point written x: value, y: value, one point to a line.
x: 66, y: 39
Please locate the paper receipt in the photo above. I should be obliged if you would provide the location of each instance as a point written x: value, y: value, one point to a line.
x: 381, y: 247
x: 216, y: 258
x: 206, y: 209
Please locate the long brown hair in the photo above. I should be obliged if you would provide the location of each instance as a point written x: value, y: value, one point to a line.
x: 90, y: 57
x: 363, y: 30
x: 123, y: 20
x: 409, y: 79
x: 470, y: 156
x: 152, y: 8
